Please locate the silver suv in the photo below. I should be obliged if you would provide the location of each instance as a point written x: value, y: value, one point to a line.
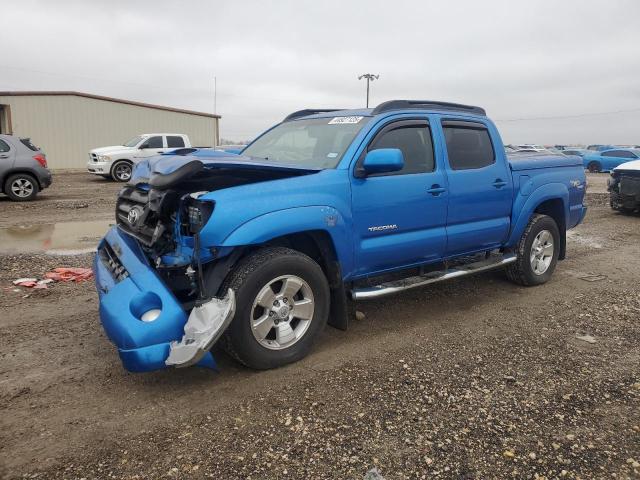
x: 23, y: 168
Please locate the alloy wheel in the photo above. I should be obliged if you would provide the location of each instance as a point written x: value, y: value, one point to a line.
x: 282, y: 312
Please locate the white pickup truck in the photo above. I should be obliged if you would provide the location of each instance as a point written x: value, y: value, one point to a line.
x: 117, y: 161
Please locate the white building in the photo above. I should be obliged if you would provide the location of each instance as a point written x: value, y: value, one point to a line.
x: 66, y: 125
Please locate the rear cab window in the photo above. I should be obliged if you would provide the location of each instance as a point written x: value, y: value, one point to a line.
x: 469, y: 145
x: 174, y: 141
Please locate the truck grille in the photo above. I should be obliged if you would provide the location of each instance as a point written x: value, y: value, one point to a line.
x: 134, y: 216
x: 630, y: 186
x: 111, y: 261
x: 93, y: 157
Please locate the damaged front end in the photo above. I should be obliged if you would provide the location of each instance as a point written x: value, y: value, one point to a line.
x: 624, y: 189
x: 160, y: 293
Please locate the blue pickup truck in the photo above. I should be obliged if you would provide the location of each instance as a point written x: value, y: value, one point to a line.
x: 259, y: 251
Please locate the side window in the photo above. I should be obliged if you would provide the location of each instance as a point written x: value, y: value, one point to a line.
x: 414, y: 140
x: 617, y: 154
x: 152, y: 142
x: 4, y: 147
x: 174, y: 141
x: 468, y: 145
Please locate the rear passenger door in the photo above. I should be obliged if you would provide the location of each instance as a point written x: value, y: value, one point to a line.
x: 174, y: 141
x: 480, y: 188
x: 399, y: 217
x: 612, y: 158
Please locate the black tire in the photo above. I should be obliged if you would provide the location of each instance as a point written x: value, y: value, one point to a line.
x: 21, y: 187
x: 248, y: 279
x: 522, y: 271
x: 121, y: 171
x: 594, y: 167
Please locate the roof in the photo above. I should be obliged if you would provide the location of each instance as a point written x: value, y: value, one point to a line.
x: 389, y: 106
x: 106, y: 99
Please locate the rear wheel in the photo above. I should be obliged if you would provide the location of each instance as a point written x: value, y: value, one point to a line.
x: 594, y: 167
x: 282, y: 305
x: 537, y: 251
x: 21, y: 187
x: 121, y: 171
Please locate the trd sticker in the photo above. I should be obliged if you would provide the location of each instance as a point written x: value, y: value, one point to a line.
x: 342, y: 120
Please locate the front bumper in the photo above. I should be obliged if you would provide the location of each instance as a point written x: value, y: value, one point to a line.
x: 129, y: 287
x: 99, y: 168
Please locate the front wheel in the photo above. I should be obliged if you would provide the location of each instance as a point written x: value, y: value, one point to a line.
x: 537, y: 251
x: 282, y: 305
x: 121, y: 171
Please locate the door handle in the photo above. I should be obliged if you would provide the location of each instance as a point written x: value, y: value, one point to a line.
x: 4, y: 156
x: 436, y: 190
x: 499, y: 183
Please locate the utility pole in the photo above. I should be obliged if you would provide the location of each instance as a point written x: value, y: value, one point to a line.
x: 215, y: 109
x: 370, y: 78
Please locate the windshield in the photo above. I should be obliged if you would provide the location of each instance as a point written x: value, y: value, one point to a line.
x: 315, y: 143
x: 133, y: 142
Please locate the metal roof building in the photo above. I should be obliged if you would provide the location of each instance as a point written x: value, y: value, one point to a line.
x: 66, y: 125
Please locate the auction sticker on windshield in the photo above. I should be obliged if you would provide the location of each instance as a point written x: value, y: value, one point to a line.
x: 342, y: 120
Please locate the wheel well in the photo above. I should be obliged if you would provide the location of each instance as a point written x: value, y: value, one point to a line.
x: 316, y: 244
x: 554, y: 208
x: 19, y: 170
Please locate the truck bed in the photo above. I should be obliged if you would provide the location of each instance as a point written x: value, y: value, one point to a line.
x: 530, y: 160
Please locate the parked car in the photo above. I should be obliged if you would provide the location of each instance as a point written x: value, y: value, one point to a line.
x: 581, y: 152
x: 23, y: 168
x: 116, y: 162
x: 531, y: 146
x: 600, y: 148
x: 267, y: 247
x: 607, y: 160
x: 624, y: 187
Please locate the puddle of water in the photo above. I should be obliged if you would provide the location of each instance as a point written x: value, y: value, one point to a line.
x: 66, y: 238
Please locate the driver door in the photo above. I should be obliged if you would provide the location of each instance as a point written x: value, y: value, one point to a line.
x: 400, y: 217
x: 150, y: 147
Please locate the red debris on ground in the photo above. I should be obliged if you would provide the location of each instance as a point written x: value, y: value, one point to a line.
x: 67, y: 274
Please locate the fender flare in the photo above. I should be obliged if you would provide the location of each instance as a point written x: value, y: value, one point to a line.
x: 550, y: 191
x: 276, y: 224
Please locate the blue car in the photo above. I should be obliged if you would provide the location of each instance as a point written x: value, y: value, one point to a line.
x: 259, y: 251
x: 607, y: 160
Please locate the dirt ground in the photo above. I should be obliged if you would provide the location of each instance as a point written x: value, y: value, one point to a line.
x: 476, y: 378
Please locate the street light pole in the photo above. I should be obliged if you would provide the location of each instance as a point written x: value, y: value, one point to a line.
x: 370, y: 78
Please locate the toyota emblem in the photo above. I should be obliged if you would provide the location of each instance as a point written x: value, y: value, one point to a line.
x: 133, y: 216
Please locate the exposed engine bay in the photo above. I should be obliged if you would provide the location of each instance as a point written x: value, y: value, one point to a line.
x: 149, y: 208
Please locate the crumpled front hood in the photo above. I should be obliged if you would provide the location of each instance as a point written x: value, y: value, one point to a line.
x: 213, y: 160
x: 210, y: 170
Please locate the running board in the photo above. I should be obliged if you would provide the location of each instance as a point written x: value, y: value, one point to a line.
x: 433, y: 277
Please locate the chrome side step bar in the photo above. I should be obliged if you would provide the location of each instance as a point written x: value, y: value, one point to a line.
x: 433, y: 277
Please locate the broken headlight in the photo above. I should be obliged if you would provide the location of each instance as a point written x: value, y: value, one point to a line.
x: 198, y: 214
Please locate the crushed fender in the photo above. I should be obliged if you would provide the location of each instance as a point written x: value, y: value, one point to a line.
x: 206, y: 323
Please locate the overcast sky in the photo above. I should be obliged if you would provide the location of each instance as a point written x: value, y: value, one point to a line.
x: 518, y: 59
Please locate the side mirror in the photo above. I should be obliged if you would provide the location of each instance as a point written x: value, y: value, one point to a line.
x: 143, y: 146
x: 382, y: 160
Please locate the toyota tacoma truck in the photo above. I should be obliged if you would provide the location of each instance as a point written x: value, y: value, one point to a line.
x: 117, y: 162
x: 260, y: 250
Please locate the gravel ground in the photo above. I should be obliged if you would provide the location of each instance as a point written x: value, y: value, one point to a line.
x: 476, y: 378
